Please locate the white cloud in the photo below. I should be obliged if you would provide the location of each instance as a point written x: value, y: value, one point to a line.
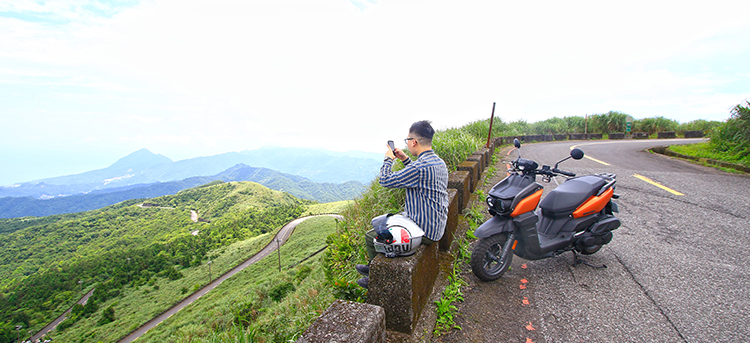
x: 199, y: 78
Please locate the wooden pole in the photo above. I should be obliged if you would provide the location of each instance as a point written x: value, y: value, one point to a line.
x: 492, y: 118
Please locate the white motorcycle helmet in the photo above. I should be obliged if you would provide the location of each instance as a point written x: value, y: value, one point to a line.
x: 398, y: 236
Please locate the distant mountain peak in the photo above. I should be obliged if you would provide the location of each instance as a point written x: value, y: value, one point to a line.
x: 139, y: 160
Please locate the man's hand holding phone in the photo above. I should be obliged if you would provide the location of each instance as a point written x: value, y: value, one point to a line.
x: 394, y: 152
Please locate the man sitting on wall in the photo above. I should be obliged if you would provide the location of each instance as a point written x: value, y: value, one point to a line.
x: 426, y: 184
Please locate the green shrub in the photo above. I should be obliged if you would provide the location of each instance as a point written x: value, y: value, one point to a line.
x: 733, y: 136
x: 279, y: 291
x: 654, y: 125
x: 698, y: 125
x: 302, y: 272
x: 108, y: 316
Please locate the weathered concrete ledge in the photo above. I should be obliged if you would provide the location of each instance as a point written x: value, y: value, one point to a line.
x: 669, y: 134
x: 478, y: 156
x: 475, y: 172
x: 347, y: 321
x: 402, y: 286
x: 452, y: 224
x: 460, y: 181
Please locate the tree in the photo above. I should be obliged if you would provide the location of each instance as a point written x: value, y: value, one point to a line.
x: 108, y: 316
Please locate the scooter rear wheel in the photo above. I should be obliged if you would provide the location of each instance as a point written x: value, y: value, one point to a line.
x: 487, y: 260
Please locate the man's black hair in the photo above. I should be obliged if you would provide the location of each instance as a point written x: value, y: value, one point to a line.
x: 424, y: 130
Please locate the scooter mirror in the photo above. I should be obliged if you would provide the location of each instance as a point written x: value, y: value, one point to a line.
x: 576, y: 154
x: 516, y: 143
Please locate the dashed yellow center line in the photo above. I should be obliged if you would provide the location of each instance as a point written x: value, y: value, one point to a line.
x: 658, y: 184
x: 591, y: 158
x: 637, y: 176
x: 595, y: 160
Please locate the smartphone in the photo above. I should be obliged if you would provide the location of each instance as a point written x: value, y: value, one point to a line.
x: 392, y: 146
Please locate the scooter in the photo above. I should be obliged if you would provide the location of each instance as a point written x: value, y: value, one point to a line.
x: 576, y: 216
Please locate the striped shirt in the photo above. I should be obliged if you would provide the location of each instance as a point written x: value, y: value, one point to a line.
x: 426, y: 183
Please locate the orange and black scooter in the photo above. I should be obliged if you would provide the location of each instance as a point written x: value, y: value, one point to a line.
x: 576, y: 216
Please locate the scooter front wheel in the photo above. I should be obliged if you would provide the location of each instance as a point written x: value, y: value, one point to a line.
x: 488, y: 262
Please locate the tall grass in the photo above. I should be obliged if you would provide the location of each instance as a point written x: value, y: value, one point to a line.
x: 732, y: 138
x: 605, y: 123
x: 455, y: 145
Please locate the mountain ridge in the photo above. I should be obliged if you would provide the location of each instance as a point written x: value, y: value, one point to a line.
x: 145, y: 167
x: 300, y: 187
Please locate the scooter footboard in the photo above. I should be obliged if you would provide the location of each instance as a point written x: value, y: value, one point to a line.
x: 526, y: 224
x: 493, y: 226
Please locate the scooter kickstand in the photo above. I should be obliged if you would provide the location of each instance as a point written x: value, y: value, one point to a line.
x: 577, y: 260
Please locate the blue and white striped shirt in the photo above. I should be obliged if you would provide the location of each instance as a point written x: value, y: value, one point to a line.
x: 426, y: 183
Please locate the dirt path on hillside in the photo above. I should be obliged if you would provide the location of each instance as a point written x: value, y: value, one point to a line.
x: 282, y: 236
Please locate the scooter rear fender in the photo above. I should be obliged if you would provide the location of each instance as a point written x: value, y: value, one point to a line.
x: 493, y: 226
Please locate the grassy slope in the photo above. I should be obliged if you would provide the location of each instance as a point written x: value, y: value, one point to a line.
x: 704, y: 150
x: 214, y: 315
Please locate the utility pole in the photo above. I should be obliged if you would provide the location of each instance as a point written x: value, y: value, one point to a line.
x: 210, y: 278
x: 278, y: 249
x: 492, y: 118
x: 586, y: 125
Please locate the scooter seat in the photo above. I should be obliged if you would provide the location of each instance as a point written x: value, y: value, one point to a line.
x: 564, y: 199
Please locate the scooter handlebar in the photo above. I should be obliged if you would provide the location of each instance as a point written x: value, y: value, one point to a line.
x: 558, y: 171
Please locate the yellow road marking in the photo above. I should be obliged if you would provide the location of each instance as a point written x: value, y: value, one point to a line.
x: 657, y: 184
x: 591, y: 158
x: 595, y: 160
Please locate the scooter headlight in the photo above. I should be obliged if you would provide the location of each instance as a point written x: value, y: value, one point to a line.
x: 490, y: 202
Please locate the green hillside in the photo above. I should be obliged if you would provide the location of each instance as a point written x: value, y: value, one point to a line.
x: 126, y: 246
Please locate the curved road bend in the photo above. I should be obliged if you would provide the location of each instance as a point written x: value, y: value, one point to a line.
x: 282, y: 235
x: 678, y: 269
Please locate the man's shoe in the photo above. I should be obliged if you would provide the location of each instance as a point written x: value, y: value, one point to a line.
x: 363, y: 282
x: 363, y: 269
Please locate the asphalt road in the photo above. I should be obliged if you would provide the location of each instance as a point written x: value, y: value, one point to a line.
x: 677, y: 269
x: 56, y: 322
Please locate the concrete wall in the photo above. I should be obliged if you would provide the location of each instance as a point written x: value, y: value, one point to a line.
x: 670, y: 134
x: 347, y: 321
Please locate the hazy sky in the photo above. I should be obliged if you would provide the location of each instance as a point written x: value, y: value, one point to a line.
x: 83, y: 83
